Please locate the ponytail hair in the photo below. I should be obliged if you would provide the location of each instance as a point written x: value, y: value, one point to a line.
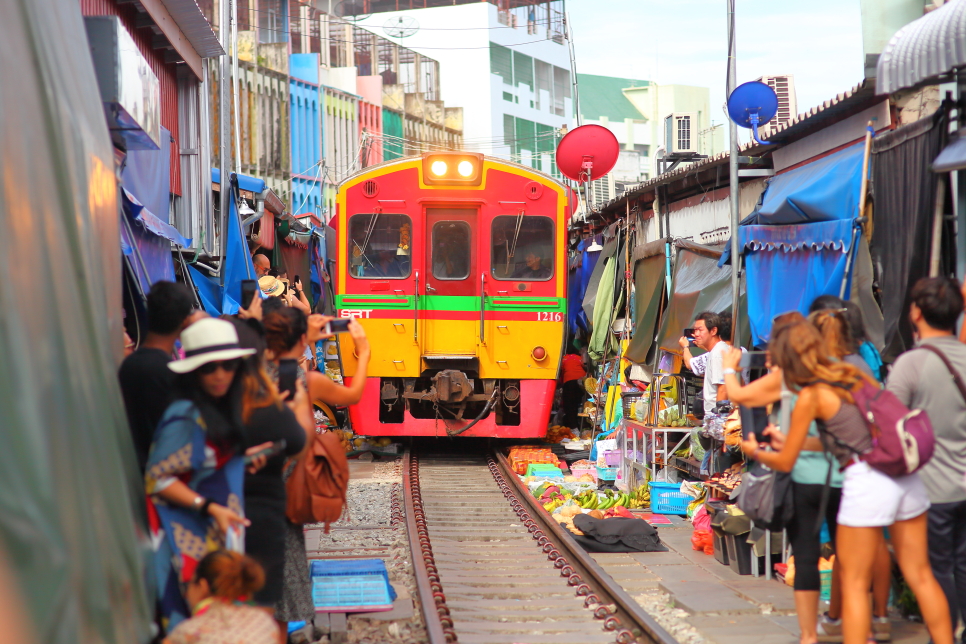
x: 230, y: 575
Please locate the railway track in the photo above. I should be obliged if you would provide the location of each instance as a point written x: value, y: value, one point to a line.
x: 492, y: 568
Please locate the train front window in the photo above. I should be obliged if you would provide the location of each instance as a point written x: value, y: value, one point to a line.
x: 451, y: 250
x: 380, y: 246
x: 522, y: 248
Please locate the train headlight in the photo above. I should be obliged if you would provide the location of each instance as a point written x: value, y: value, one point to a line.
x: 539, y: 353
x: 452, y: 169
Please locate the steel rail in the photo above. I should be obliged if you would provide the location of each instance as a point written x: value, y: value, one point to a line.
x: 584, y: 570
x: 418, y: 545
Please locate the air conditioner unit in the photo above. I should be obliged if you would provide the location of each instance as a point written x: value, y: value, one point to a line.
x: 681, y: 133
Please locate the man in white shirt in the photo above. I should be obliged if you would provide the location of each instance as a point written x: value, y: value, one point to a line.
x: 707, y: 336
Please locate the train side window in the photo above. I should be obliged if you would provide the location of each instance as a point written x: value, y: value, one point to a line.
x: 380, y: 246
x: 451, y: 250
x: 523, y: 248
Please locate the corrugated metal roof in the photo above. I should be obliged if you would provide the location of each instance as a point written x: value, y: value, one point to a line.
x: 924, y: 50
x: 602, y: 96
x: 195, y: 27
x: 790, y: 131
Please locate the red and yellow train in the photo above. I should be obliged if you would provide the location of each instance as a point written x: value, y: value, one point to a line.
x: 456, y: 265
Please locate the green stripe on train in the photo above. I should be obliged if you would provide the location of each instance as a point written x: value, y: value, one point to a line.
x: 452, y: 303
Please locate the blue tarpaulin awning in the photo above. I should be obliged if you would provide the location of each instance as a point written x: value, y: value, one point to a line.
x: 245, y: 182
x: 152, y: 222
x: 797, y: 242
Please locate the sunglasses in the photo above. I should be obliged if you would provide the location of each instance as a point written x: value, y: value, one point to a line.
x: 227, y: 365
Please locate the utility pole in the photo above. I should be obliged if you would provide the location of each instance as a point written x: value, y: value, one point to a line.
x: 733, y: 178
x: 224, y: 131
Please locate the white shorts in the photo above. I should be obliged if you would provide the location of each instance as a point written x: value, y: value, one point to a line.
x: 871, y: 499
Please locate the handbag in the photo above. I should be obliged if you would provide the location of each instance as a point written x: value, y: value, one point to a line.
x: 765, y: 495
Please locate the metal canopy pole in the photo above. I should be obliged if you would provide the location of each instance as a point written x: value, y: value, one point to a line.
x: 733, y: 180
x: 224, y: 131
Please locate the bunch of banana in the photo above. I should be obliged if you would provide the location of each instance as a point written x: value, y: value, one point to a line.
x: 642, y: 496
x: 588, y: 500
x: 612, y: 499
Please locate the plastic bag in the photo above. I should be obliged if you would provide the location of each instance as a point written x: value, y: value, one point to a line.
x: 702, y: 540
x: 701, y: 519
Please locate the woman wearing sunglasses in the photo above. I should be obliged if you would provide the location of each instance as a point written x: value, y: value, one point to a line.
x: 196, y: 466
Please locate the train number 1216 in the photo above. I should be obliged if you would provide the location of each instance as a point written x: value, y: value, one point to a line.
x: 549, y: 316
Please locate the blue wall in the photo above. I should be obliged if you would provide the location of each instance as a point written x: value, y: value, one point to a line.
x: 306, y: 128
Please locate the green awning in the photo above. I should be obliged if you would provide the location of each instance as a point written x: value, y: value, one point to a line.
x: 649, y: 290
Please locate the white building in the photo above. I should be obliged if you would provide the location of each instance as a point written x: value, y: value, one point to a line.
x: 508, y: 68
x: 634, y: 110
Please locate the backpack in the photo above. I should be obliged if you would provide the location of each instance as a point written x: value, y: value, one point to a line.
x: 316, y: 489
x: 902, y: 439
x: 766, y: 497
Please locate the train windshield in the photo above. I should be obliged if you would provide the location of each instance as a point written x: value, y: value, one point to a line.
x: 380, y: 246
x: 451, y: 250
x: 522, y: 248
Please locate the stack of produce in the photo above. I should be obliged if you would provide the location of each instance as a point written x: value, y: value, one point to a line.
x: 557, y: 433
x: 521, y: 457
x: 671, y: 417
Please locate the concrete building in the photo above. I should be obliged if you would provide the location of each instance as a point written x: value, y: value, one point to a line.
x: 634, y: 110
x: 517, y: 45
x: 306, y: 126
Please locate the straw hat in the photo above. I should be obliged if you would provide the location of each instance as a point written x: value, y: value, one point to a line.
x: 271, y: 286
x: 206, y: 341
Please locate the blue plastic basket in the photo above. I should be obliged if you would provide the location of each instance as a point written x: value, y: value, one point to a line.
x: 351, y: 585
x: 667, y: 498
x: 606, y: 473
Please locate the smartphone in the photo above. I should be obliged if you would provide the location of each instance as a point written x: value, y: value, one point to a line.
x: 339, y: 325
x: 288, y: 371
x: 754, y: 360
x: 248, y: 290
x: 297, y: 282
x: 274, y: 449
x: 754, y: 420
x: 689, y: 334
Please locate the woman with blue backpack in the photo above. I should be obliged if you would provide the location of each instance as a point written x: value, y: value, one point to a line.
x: 881, y: 487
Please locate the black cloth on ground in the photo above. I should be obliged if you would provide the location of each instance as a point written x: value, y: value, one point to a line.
x: 635, y: 535
x: 802, y: 533
x: 147, y: 386
x: 265, y: 496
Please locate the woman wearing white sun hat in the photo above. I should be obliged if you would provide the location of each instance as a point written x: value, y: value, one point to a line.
x: 195, y: 468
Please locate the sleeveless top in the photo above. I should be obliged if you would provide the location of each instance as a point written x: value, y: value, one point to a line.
x: 845, y: 434
x: 811, y: 468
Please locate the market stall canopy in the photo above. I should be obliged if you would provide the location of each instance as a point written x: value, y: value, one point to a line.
x: 586, y: 262
x: 73, y: 499
x: 221, y: 297
x: 650, y: 269
x: 925, y: 51
x: 698, y: 284
x: 797, y: 242
x: 257, y: 186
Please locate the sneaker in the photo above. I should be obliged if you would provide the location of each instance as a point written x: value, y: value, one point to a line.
x: 830, y: 630
x: 882, y: 629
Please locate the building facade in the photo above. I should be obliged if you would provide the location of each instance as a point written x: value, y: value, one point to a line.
x: 519, y: 46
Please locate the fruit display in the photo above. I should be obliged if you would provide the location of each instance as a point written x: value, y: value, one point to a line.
x: 557, y: 433
x: 671, y: 417
x: 521, y: 457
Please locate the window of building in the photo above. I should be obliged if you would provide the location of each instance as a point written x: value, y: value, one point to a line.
x: 522, y: 248
x: 561, y: 89
x: 543, y: 73
x: 522, y: 70
x: 501, y: 62
x: 507, y: 96
x: 380, y: 246
x: 451, y: 250
x: 272, y: 21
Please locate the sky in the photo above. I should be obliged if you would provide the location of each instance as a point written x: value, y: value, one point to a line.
x: 686, y: 41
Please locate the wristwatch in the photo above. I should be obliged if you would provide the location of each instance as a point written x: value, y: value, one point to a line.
x: 730, y: 372
x: 197, y: 504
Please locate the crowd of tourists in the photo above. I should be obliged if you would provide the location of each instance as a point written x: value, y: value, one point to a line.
x: 216, y: 440
x: 822, y: 366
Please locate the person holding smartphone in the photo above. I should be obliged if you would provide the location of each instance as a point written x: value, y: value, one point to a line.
x: 195, y: 467
x: 287, y: 334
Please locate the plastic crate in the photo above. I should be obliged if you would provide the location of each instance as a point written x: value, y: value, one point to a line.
x: 544, y: 469
x: 606, y: 473
x: 582, y: 471
x: 612, y: 458
x: 667, y: 498
x: 351, y: 586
